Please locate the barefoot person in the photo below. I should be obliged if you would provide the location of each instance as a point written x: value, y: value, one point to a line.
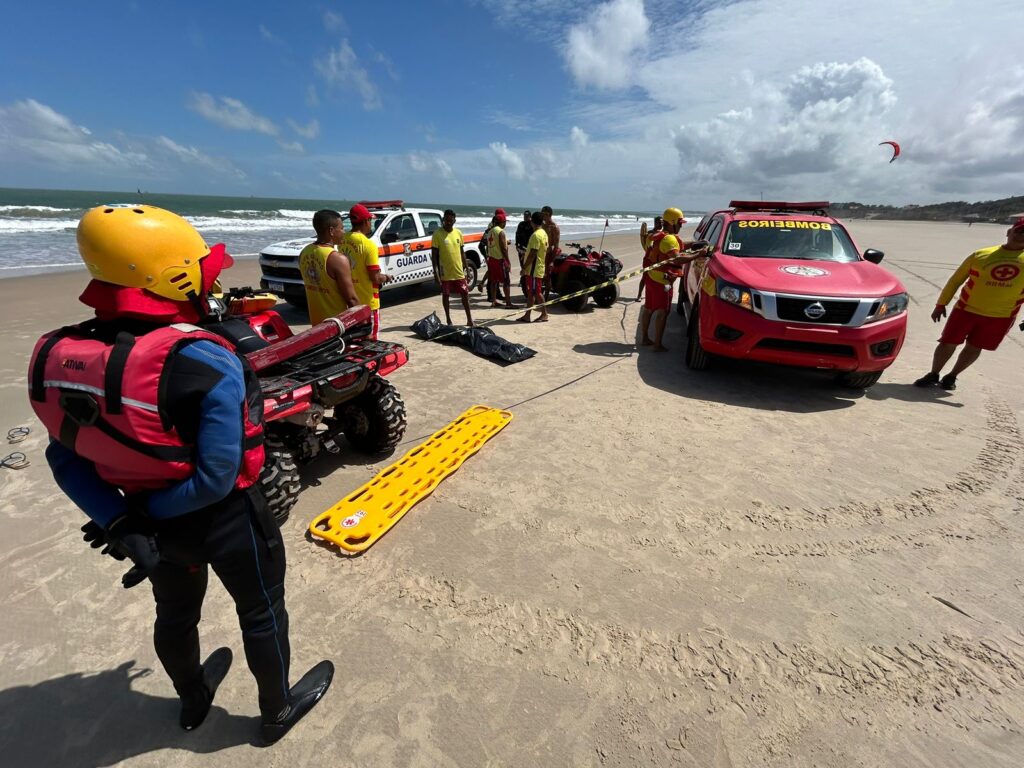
x: 498, y: 266
x: 533, y: 269
x: 554, y: 240
x: 645, y: 235
x: 326, y: 273
x: 449, y: 258
x: 156, y: 433
x: 364, y: 257
x: 986, y: 309
x: 662, y: 246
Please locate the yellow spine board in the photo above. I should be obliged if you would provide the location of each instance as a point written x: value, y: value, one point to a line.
x: 366, y: 514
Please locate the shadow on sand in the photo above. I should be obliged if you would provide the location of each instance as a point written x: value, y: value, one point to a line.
x: 82, y: 721
x: 750, y: 384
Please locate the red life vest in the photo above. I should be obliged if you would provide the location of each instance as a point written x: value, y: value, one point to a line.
x: 101, y: 394
x: 653, y: 255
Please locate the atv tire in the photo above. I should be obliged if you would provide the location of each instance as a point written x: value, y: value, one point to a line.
x: 577, y: 303
x: 697, y: 357
x: 859, y: 379
x: 375, y: 421
x: 279, y: 479
x: 606, y: 297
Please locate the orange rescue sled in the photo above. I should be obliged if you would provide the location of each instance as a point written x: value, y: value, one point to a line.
x: 366, y: 514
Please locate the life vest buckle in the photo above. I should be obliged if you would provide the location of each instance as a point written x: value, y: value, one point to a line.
x: 80, y: 407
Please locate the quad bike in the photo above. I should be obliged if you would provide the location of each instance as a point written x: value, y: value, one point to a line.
x: 318, y: 386
x: 584, y: 268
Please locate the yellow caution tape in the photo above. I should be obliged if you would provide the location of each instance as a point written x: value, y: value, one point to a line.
x: 366, y: 514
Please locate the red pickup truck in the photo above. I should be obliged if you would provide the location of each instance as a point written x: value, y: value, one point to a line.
x: 784, y: 283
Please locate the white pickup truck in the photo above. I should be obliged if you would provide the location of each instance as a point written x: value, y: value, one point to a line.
x: 401, y: 234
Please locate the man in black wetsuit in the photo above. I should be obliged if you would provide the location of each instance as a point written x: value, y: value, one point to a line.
x: 156, y: 434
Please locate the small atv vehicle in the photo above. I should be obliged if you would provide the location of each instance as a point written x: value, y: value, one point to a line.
x: 318, y: 386
x: 582, y: 268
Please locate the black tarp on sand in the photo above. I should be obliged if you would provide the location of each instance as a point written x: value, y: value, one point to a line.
x: 480, y: 341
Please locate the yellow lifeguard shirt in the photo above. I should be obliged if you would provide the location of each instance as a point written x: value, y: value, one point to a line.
x: 322, y: 294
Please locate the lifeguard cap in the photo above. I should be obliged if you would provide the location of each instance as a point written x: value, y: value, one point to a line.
x: 142, y: 246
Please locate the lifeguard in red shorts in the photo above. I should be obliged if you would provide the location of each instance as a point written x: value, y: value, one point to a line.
x: 986, y: 309
x: 449, y: 257
x: 661, y: 246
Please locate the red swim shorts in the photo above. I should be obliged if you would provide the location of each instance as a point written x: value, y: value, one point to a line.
x: 533, y: 286
x: 657, y: 296
x: 977, y: 330
x: 449, y: 287
x: 497, y: 270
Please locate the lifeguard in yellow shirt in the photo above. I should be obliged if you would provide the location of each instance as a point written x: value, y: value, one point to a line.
x: 365, y: 260
x: 326, y: 273
x: 986, y: 309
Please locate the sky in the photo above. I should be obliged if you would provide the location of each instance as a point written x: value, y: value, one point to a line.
x: 622, y: 104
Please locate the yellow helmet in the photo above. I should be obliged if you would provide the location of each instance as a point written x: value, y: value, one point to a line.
x: 672, y: 216
x: 141, y: 246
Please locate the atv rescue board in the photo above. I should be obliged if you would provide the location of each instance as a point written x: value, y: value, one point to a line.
x: 366, y: 514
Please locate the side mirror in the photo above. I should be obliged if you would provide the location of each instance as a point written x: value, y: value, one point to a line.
x: 390, y: 237
x: 873, y: 255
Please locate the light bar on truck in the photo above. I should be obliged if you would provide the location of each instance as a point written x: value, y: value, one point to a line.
x: 376, y: 205
x: 773, y: 205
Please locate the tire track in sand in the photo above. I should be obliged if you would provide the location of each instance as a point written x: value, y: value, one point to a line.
x: 932, y: 673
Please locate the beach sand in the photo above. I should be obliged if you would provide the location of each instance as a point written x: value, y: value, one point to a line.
x: 746, y: 566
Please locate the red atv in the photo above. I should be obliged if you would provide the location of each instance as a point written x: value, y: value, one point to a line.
x: 582, y: 268
x: 318, y: 385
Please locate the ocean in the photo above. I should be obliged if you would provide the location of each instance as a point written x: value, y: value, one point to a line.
x: 37, y: 226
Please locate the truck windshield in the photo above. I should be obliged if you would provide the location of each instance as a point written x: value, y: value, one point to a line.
x: 377, y: 219
x: 788, y: 239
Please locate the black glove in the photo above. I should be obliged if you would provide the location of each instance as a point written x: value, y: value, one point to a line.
x: 131, y: 538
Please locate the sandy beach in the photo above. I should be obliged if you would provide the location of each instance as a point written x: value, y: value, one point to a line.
x: 746, y: 566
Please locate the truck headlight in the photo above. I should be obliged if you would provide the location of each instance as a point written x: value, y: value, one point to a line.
x: 888, y: 307
x: 735, y: 294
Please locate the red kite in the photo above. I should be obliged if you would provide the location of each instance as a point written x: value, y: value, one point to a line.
x: 895, y: 149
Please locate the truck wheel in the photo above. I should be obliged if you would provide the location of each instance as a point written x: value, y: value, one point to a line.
x: 375, y: 421
x: 682, y: 301
x: 472, y: 274
x: 579, y: 302
x: 279, y: 479
x: 606, y: 297
x: 697, y: 358
x: 859, y: 380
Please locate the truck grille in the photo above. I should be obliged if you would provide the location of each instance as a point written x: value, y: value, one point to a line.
x: 279, y: 271
x: 836, y: 312
x: 808, y: 347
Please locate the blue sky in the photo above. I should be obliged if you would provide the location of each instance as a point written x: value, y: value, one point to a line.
x: 616, y: 104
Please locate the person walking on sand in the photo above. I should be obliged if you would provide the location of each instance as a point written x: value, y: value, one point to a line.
x: 986, y: 309
x: 156, y: 433
x: 485, y: 279
x: 662, y: 246
x: 523, y: 233
x: 533, y: 270
x: 498, y: 267
x: 554, y: 239
x: 449, y: 258
x: 644, y: 236
x: 326, y: 273
x: 365, y: 260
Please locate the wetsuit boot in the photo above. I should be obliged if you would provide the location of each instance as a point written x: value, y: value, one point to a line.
x: 195, y: 706
x: 302, y: 697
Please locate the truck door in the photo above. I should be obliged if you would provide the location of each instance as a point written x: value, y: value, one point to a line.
x: 395, y: 250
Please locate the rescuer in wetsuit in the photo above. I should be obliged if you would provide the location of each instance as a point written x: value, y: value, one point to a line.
x: 156, y: 434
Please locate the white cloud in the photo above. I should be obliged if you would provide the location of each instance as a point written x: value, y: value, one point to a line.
x: 310, y: 131
x: 578, y: 137
x: 327, y: 177
x: 312, y: 97
x: 192, y: 156
x: 230, y: 113
x: 269, y: 36
x: 424, y: 163
x: 291, y: 146
x: 602, y: 48
x: 32, y: 131
x: 511, y: 121
x: 341, y: 69
x: 334, y: 22
x: 509, y: 160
